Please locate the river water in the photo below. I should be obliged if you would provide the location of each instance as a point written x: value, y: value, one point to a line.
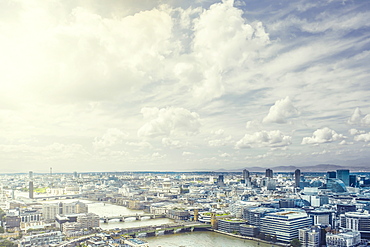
x: 188, y: 239
x: 200, y: 239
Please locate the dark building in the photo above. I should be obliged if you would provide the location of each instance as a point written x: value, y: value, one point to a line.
x: 343, y: 175
x: 269, y: 173
x: 331, y: 174
x: 30, y: 192
x: 343, y: 208
x: 353, y: 181
x: 297, y: 178
x: 246, y: 177
x: 220, y: 180
x: 12, y: 221
x: 178, y: 214
x: 286, y: 203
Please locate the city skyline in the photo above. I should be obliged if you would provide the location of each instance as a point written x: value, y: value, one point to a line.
x: 183, y: 85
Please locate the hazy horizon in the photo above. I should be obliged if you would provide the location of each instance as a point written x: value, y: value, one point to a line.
x: 183, y: 85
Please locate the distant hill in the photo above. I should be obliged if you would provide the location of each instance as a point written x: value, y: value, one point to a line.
x: 314, y: 168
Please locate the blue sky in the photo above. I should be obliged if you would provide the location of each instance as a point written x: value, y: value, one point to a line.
x: 183, y: 85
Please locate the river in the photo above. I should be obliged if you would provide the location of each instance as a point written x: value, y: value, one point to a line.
x: 106, y: 209
x: 188, y: 239
x: 200, y: 239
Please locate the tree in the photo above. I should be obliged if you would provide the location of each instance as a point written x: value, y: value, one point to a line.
x: 7, y: 243
x: 295, y: 243
x: 268, y: 237
x: 274, y: 238
x: 261, y: 235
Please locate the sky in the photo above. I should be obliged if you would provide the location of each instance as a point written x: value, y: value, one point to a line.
x: 165, y: 85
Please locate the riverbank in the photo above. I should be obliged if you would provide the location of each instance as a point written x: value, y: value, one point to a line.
x: 249, y: 238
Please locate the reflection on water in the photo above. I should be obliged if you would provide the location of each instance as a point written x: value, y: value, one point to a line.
x: 134, y: 223
x: 200, y: 239
x: 104, y: 209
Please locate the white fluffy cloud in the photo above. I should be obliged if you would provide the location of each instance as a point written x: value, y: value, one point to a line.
x: 362, y: 137
x: 355, y: 132
x: 219, y: 139
x: 323, y: 135
x: 280, y: 111
x: 357, y: 118
x: 169, y: 121
x: 223, y: 41
x: 168, y: 142
x: 274, y: 138
x: 109, y: 139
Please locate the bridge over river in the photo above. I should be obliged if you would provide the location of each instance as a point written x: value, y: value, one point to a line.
x: 134, y: 216
x: 162, y: 229
x: 145, y: 231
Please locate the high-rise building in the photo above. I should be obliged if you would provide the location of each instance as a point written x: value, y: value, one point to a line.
x: 255, y: 214
x: 357, y: 221
x: 353, y: 181
x: 269, y: 173
x: 322, y: 216
x: 30, y: 190
x: 270, y: 184
x: 50, y: 210
x: 246, y: 176
x: 230, y: 225
x: 331, y: 174
x: 297, y: 178
x: 310, y: 236
x: 30, y: 175
x: 285, y: 224
x: 220, y: 180
x: 343, y: 175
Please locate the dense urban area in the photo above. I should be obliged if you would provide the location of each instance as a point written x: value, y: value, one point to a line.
x: 280, y: 209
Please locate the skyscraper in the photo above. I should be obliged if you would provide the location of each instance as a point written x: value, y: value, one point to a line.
x: 30, y: 190
x: 269, y: 173
x: 220, y: 180
x: 331, y: 174
x: 353, y: 180
x: 297, y: 177
x: 343, y: 175
x: 246, y: 177
x: 30, y: 175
